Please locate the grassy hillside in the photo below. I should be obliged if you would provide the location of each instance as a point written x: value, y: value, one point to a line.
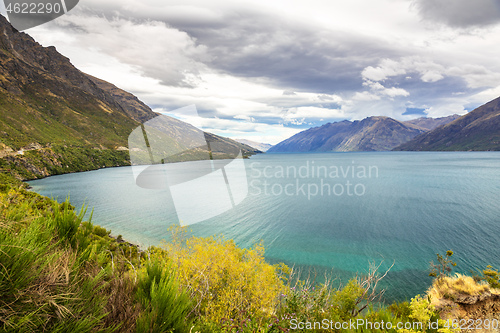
x: 52, y: 112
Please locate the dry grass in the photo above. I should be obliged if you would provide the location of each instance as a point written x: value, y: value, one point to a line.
x: 121, y: 306
x: 449, y: 287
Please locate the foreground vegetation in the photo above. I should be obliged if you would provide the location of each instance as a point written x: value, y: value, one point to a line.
x: 59, y: 273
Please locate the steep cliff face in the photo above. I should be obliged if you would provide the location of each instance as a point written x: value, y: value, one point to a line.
x: 130, y: 104
x: 29, y: 53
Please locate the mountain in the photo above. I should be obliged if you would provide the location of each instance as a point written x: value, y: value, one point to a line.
x: 45, y: 99
x: 369, y: 134
x: 431, y: 123
x: 55, y: 118
x: 477, y: 130
x: 256, y: 145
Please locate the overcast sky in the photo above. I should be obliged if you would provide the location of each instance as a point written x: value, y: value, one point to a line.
x: 264, y: 70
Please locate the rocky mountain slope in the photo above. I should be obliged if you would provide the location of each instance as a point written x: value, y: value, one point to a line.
x: 370, y: 134
x: 45, y: 99
x: 477, y: 130
x: 432, y: 123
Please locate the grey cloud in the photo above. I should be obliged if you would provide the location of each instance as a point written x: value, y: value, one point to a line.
x: 427, y: 92
x: 270, y: 49
x: 288, y: 55
x: 152, y: 47
x: 460, y: 13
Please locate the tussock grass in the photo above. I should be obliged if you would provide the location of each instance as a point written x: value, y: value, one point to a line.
x: 449, y: 287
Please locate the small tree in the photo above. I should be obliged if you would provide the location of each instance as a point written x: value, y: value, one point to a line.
x: 492, y: 276
x: 443, y: 266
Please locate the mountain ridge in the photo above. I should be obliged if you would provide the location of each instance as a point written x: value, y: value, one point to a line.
x: 431, y: 123
x: 375, y: 133
x: 478, y: 130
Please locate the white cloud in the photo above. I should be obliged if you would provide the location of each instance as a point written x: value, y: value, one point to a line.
x: 429, y: 70
x: 152, y: 47
x: 395, y: 92
x: 475, y: 75
x: 365, y: 96
x: 431, y: 76
x: 386, y: 68
x: 446, y: 109
x: 378, y: 90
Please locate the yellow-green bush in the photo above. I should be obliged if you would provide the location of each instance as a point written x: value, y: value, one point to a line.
x: 227, y: 282
x: 423, y: 312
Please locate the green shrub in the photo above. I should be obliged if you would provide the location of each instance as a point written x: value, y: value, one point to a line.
x: 100, y: 231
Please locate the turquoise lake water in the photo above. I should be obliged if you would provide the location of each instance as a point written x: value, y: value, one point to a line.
x: 331, y: 212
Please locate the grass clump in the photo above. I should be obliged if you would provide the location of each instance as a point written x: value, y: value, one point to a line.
x: 167, y: 305
x: 449, y: 287
x: 56, y: 274
x: 42, y: 287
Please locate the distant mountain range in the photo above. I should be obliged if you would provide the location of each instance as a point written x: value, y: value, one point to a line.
x: 370, y: 134
x: 257, y: 145
x: 478, y: 130
x: 46, y: 102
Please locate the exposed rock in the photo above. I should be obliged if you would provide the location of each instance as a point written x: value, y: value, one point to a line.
x: 467, y: 308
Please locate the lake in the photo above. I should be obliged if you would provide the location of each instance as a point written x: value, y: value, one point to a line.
x: 323, y: 213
